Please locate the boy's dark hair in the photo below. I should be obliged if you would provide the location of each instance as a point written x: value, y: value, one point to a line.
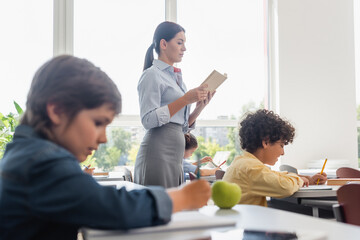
x: 190, y: 141
x: 73, y: 84
x: 264, y: 125
x: 165, y: 30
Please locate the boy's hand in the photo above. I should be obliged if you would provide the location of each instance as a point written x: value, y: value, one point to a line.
x: 323, y: 178
x: 89, y: 170
x: 190, y: 196
x: 306, y: 181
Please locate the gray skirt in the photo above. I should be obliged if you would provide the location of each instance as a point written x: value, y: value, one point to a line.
x: 159, y: 160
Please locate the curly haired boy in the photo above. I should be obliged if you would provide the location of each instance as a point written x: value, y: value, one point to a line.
x: 263, y: 135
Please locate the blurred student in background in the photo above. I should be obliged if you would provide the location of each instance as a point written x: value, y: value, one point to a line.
x: 191, y: 145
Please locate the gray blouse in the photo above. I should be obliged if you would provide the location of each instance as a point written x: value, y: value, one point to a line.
x: 159, y: 86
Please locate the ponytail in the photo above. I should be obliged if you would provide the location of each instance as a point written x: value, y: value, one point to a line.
x: 149, y: 57
x: 165, y: 30
x: 190, y: 141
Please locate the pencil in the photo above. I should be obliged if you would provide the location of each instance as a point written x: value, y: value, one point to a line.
x: 222, y: 163
x: 322, y: 170
x: 198, y: 169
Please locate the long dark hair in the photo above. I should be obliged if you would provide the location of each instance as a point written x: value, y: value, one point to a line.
x: 73, y: 84
x: 165, y: 30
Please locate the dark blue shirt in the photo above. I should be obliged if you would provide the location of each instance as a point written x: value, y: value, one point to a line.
x: 44, y: 194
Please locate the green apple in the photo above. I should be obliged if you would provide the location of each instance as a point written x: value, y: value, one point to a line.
x: 225, y: 194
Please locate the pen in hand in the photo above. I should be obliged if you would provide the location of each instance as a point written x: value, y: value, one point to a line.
x: 222, y: 164
x: 198, y: 169
x: 322, y: 170
x: 88, y: 170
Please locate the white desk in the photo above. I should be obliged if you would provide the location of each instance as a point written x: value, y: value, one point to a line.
x: 210, y: 178
x: 104, y: 179
x: 304, y: 193
x: 314, y: 198
x: 119, y: 184
x: 255, y: 218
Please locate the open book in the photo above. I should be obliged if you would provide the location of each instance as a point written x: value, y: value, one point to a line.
x: 219, y: 159
x: 214, y: 80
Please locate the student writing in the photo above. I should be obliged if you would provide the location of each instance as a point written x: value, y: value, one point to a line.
x: 44, y: 194
x: 263, y: 136
x: 191, y: 145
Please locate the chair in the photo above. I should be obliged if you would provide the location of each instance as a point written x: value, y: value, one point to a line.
x: 219, y: 174
x: 288, y: 168
x: 348, y: 208
x: 127, y: 175
x: 192, y: 176
x: 346, y: 172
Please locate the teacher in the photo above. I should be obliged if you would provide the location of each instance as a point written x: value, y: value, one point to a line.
x: 165, y: 109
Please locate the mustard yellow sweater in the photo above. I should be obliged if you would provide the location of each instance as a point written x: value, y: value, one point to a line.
x: 257, y: 181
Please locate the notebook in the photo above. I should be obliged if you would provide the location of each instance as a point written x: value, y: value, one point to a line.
x: 214, y: 80
x: 219, y: 158
x: 316, y: 187
x: 186, y: 220
x: 342, y: 181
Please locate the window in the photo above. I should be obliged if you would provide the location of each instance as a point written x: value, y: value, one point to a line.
x: 25, y: 44
x: 115, y: 35
x: 227, y: 36
x: 357, y: 67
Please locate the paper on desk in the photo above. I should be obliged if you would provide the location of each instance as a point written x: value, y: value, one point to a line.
x: 220, y: 157
x: 186, y: 220
x: 317, y: 187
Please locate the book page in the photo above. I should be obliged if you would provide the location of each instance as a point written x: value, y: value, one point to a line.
x: 220, y: 157
x: 316, y: 187
x: 214, y: 80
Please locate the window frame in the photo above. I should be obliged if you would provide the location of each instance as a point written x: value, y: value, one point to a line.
x: 63, y: 43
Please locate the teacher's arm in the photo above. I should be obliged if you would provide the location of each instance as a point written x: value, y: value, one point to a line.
x: 150, y: 89
x: 191, y: 96
x: 200, y: 105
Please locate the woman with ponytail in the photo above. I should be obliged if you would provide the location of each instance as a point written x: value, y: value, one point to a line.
x: 165, y: 109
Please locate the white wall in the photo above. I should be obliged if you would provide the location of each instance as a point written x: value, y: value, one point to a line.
x: 316, y: 79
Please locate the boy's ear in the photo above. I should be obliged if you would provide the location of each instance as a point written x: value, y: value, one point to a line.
x: 54, y: 113
x: 265, y: 143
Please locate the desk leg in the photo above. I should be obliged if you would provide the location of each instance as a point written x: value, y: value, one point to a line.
x: 315, y: 211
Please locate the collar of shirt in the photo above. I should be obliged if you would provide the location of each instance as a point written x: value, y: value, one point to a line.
x: 162, y: 66
x: 249, y: 155
x: 176, y: 74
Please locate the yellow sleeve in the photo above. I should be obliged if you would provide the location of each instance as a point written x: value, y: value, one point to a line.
x: 266, y: 182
